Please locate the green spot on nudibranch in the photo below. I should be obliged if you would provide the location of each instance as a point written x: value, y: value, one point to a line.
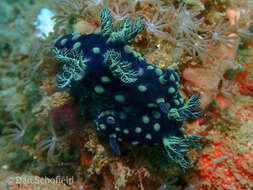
x: 96, y: 50
x: 148, y: 136
x: 99, y: 89
x: 181, y: 129
x: 176, y: 102
x: 63, y: 42
x: 105, y: 79
x: 119, y: 98
x: 150, y: 67
x: 136, y: 54
x: 126, y: 131
x: 171, y: 90
x: 138, y: 130
x: 128, y: 49
x: 156, y: 127
x: 102, y: 126
x: 152, y: 105
x: 157, y: 115
x: 117, y: 129
x: 120, y: 139
x: 75, y: 36
x: 142, y: 88
x: 76, y: 45
x: 113, y: 135
x: 159, y: 71
x: 160, y: 100
x: 140, y: 71
x: 135, y: 143
x: 145, y: 119
x: 177, y: 84
x: 170, y: 68
x: 162, y: 80
x: 172, y: 78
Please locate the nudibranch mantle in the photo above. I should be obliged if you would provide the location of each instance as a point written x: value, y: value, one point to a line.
x: 147, y: 107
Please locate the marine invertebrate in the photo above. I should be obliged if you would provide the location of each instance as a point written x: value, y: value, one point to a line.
x: 84, y: 106
x: 158, y: 22
x: 103, y: 63
x: 222, y: 33
x: 119, y: 13
x: 197, y: 46
x: 50, y: 143
x: 74, y: 70
x: 14, y: 135
x: 69, y: 10
x: 184, y: 23
x: 147, y: 127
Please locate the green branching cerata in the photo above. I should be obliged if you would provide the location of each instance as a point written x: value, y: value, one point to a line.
x: 125, y: 32
x: 187, y: 110
x: 73, y: 68
x: 119, y: 69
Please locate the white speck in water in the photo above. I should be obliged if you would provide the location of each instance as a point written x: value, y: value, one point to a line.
x: 44, y: 23
x: 5, y: 167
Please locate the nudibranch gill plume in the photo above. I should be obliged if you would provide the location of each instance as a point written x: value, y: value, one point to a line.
x: 143, y: 105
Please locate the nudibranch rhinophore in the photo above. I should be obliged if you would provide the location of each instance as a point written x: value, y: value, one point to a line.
x: 145, y: 106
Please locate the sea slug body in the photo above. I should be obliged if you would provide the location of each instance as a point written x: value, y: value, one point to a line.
x: 146, y: 107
